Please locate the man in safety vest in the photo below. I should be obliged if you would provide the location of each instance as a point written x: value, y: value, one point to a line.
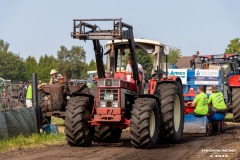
x: 29, y: 95
x: 200, y: 102
x: 216, y: 101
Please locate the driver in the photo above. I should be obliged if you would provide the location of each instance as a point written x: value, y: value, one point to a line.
x: 54, y: 77
x: 140, y: 68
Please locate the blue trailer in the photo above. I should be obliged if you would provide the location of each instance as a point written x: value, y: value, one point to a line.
x: 191, y: 79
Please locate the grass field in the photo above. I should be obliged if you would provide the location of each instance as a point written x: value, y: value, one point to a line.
x: 229, y: 117
x: 35, y: 140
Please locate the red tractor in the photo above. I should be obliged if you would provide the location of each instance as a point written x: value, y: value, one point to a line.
x: 117, y: 101
x: 231, y: 78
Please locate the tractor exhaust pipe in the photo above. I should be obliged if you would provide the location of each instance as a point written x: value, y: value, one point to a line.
x: 35, y: 99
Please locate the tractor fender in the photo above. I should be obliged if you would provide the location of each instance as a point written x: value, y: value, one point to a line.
x: 172, y: 79
x: 153, y: 84
x: 150, y: 96
x: 234, y: 81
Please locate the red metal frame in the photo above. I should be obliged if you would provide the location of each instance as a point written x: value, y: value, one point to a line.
x: 234, y: 81
x: 113, y: 116
x: 188, y: 104
x: 152, y: 86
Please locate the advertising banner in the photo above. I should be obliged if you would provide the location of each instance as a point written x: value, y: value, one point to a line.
x: 206, y: 77
x: 181, y: 73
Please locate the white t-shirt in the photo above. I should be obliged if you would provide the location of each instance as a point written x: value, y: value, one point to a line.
x: 140, y: 68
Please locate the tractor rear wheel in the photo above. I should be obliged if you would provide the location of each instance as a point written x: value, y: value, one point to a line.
x: 107, y: 134
x: 145, y: 121
x: 172, y: 112
x: 236, y: 104
x: 43, y: 108
x: 77, y: 129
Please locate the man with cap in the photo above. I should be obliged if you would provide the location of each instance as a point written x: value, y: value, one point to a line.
x: 216, y: 101
x: 54, y: 77
x: 200, y: 102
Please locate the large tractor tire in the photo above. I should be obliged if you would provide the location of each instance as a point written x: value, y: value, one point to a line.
x: 107, y: 134
x: 94, y: 90
x: 145, y: 122
x: 85, y: 90
x: 77, y: 129
x: 236, y: 104
x: 172, y: 112
x: 43, y: 108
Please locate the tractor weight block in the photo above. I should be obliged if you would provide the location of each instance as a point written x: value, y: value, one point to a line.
x: 193, y: 124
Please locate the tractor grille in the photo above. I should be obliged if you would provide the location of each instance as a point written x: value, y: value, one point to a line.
x: 109, y: 95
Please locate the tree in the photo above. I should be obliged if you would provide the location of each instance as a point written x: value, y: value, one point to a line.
x: 92, y: 66
x: 143, y: 58
x: 233, y: 46
x: 46, y: 63
x: 174, y: 56
x: 72, y: 61
x: 4, y: 45
x: 31, y: 66
x: 11, y: 66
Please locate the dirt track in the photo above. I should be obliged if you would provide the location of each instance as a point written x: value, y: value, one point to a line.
x: 194, y: 147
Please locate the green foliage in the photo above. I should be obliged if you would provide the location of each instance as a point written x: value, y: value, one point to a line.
x: 72, y: 61
x: 35, y: 140
x: 92, y: 66
x: 233, y: 47
x: 11, y: 66
x: 143, y: 58
x: 31, y: 66
x: 174, y: 56
x: 46, y: 63
x: 3, y: 45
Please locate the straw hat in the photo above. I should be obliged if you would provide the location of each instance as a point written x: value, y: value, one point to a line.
x: 53, y: 71
x: 214, y: 88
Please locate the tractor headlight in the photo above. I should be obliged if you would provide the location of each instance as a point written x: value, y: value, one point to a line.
x: 103, y: 104
x: 115, y: 104
x: 231, y: 58
x: 202, y: 58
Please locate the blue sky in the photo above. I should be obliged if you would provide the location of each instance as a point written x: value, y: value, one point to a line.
x: 39, y: 27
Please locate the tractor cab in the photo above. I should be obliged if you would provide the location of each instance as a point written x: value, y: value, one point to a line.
x: 117, y: 59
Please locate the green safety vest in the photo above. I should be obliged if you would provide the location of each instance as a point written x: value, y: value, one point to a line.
x: 29, y: 92
x: 202, y: 104
x: 217, y: 100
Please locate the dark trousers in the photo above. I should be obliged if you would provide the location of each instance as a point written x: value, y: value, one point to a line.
x: 212, y: 110
x: 195, y: 114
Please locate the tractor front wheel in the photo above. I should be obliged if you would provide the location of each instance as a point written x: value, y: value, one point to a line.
x: 172, y: 112
x: 77, y: 129
x: 145, y: 122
